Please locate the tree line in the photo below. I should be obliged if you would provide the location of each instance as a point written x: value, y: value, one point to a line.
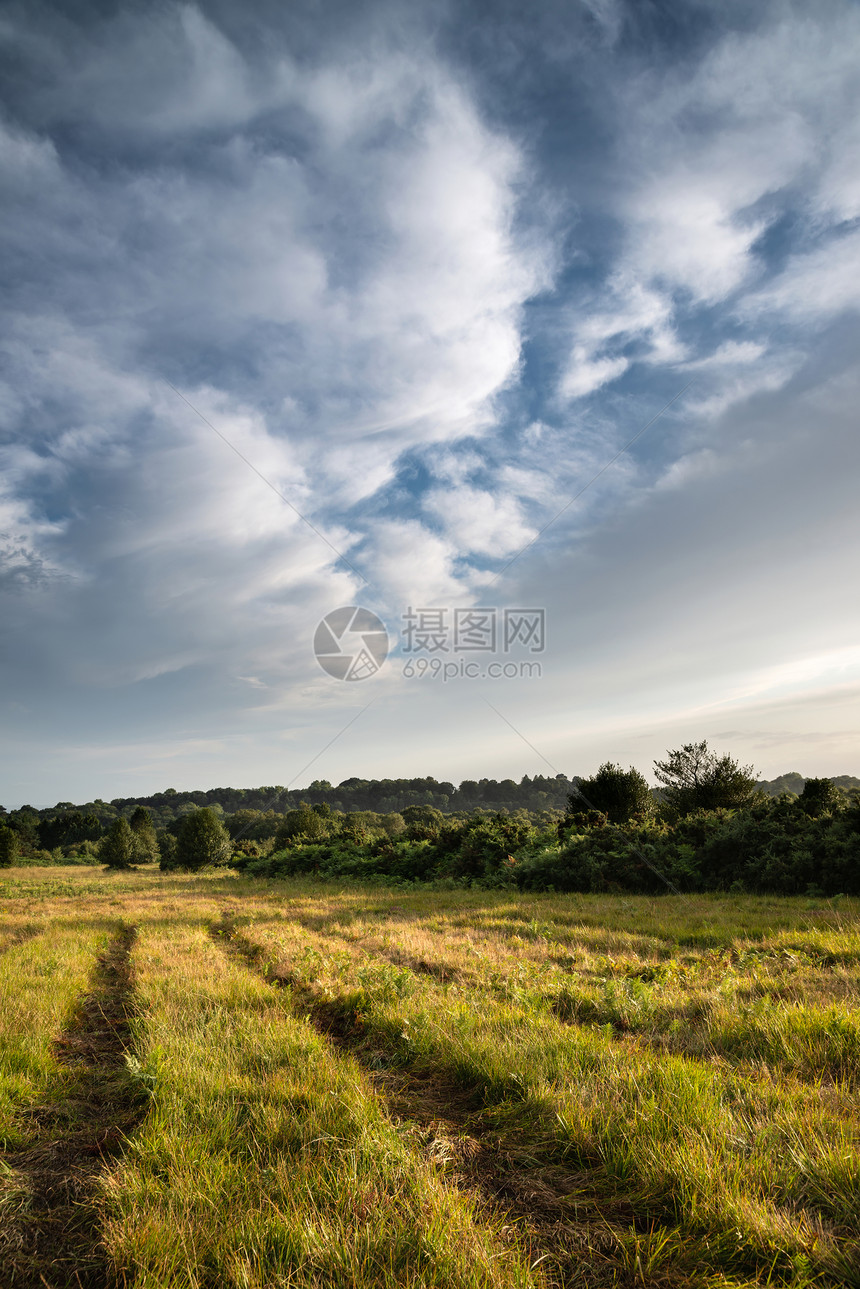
x: 708, y: 825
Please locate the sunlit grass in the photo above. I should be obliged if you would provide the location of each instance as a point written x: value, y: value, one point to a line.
x: 266, y: 1158
x: 696, y: 1059
x: 41, y: 978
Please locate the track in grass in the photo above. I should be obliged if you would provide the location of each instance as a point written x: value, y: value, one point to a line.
x: 53, y: 1239
x: 17, y: 935
x: 574, y: 1240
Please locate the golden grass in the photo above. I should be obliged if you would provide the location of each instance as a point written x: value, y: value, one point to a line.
x: 692, y: 1061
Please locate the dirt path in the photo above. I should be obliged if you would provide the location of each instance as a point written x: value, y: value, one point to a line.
x: 52, y: 1240
x: 574, y: 1235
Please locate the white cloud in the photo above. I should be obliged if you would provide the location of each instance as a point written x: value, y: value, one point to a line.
x: 813, y: 287
x: 711, y: 152
x: 414, y: 565
x: 478, y: 522
x: 734, y: 353
x: 586, y: 374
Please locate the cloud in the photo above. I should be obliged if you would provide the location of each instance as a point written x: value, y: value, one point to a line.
x: 815, y: 286
x: 427, y: 278
x: 713, y: 151
x: 478, y: 522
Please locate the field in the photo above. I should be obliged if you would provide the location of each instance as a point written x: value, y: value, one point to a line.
x: 212, y: 1081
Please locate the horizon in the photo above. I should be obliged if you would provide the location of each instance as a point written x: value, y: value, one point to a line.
x: 333, y: 788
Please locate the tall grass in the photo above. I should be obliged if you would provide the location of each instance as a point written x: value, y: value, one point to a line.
x: 266, y: 1159
x: 689, y: 1063
x: 41, y: 979
x: 734, y: 1164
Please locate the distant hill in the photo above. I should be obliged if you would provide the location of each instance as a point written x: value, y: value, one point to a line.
x: 384, y: 796
x: 793, y: 782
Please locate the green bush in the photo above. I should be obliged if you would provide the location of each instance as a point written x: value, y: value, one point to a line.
x: 202, y: 841
x: 9, y: 846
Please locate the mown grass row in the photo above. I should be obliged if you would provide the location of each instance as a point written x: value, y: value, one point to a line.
x: 754, y: 1177
x: 41, y: 980
x: 789, y: 999
x: 654, y: 1064
x: 266, y: 1159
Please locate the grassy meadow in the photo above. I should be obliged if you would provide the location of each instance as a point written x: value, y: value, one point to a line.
x: 217, y: 1081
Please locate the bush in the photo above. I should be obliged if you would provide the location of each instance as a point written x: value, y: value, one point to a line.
x: 118, y: 846
x: 9, y: 847
x: 145, y: 840
x: 303, y: 824
x: 618, y: 794
x: 202, y: 840
x: 167, y: 844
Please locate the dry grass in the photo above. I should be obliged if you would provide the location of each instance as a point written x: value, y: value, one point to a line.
x: 654, y: 1091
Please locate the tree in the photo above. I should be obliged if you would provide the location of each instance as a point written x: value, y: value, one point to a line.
x: 618, y: 794
x: 202, y: 840
x: 8, y: 846
x: 306, y: 824
x: 695, y: 778
x: 117, y: 849
x: 819, y: 797
x: 166, y: 850
x: 145, y: 841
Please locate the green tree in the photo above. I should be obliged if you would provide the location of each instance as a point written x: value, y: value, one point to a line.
x: 618, y: 794
x: 166, y: 850
x: 202, y: 840
x: 305, y: 823
x: 8, y: 846
x: 819, y: 797
x: 695, y: 778
x: 145, y: 841
x: 117, y: 849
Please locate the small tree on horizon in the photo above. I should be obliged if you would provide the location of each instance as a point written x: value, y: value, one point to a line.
x: 695, y: 778
x: 618, y: 794
x: 819, y: 797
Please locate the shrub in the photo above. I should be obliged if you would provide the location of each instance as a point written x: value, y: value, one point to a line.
x: 117, y: 848
x: 618, y: 794
x: 202, y: 840
x: 9, y: 847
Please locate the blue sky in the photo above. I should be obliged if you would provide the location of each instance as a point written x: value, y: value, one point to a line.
x: 427, y: 268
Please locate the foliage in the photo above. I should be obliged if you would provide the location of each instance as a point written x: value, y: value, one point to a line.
x: 167, y: 844
x: 773, y: 846
x: 267, y: 804
x: 695, y: 778
x: 69, y: 828
x: 202, y: 840
x: 118, y: 849
x: 145, y: 840
x: 619, y: 794
x: 9, y: 846
x: 305, y: 824
x: 819, y: 797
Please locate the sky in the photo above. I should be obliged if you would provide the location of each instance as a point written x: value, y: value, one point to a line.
x: 468, y: 315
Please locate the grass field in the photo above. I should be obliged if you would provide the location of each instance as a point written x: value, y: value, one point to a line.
x: 218, y: 1082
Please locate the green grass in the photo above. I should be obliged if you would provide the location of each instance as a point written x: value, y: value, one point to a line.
x: 266, y: 1158
x: 667, y: 1088
x: 41, y: 979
